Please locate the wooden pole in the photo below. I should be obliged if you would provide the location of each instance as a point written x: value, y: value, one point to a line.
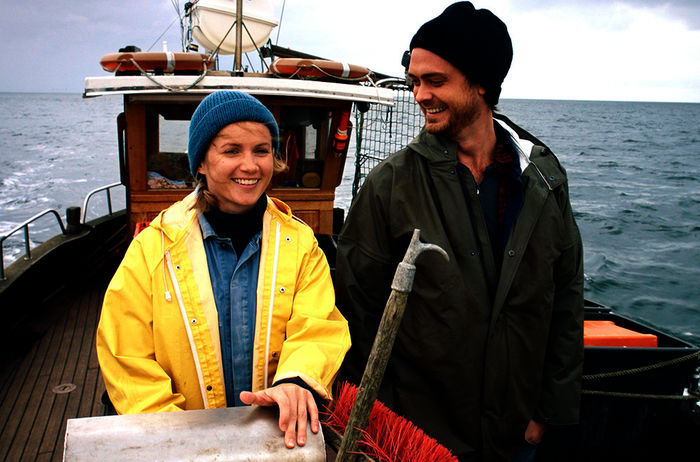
x: 381, y: 349
x: 238, y: 56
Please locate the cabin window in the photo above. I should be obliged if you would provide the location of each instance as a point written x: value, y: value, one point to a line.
x: 167, y: 165
x: 303, y: 144
x: 310, y: 150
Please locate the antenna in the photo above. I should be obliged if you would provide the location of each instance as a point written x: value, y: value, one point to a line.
x: 277, y: 40
x: 176, y: 5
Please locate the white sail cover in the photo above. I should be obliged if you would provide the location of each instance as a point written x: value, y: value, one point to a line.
x: 212, y: 20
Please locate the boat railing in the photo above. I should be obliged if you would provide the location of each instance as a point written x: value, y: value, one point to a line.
x: 25, y: 228
x: 107, y: 188
x: 72, y: 217
x: 383, y: 130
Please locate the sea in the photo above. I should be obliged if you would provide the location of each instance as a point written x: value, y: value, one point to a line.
x: 633, y: 168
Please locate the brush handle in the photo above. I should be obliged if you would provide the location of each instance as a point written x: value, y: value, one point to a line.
x: 381, y: 349
x: 373, y: 375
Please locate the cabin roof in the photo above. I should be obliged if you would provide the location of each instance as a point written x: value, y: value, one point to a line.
x: 187, y: 84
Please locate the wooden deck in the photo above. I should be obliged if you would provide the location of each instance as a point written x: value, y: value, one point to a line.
x: 36, y: 392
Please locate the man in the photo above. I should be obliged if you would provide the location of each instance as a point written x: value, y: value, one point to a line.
x: 490, y: 349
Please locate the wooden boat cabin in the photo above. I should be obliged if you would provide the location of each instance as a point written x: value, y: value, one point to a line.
x: 314, y: 121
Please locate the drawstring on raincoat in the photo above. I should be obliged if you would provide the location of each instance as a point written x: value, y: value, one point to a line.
x: 168, y: 298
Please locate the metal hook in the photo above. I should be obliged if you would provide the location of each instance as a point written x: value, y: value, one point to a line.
x: 406, y: 270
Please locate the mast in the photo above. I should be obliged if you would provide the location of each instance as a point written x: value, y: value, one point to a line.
x: 237, y: 64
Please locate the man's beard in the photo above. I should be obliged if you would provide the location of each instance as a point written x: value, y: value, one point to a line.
x: 459, y: 118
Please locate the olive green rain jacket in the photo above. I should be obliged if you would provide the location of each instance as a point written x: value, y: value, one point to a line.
x: 479, y: 353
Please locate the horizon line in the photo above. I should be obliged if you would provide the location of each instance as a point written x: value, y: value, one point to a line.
x: 502, y: 98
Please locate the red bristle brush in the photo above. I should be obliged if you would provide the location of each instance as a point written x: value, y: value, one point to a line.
x: 388, y: 437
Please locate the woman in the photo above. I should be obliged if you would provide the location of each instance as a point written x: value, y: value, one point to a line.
x: 225, y: 291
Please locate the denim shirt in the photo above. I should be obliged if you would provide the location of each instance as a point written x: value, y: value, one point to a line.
x: 234, y: 283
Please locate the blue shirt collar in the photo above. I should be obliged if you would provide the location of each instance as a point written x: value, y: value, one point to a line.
x: 205, y: 226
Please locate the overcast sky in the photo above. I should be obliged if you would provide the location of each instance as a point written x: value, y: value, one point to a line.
x: 630, y: 50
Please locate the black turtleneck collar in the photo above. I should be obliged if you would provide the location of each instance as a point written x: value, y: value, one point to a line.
x: 239, y: 227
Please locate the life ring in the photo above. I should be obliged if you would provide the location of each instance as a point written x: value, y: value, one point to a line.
x: 155, y: 61
x: 290, y: 67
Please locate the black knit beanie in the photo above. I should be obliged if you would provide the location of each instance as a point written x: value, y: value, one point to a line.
x: 474, y: 41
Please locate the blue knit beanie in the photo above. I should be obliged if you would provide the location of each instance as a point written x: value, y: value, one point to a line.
x: 218, y: 110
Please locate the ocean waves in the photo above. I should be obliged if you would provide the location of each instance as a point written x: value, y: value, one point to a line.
x: 634, y: 178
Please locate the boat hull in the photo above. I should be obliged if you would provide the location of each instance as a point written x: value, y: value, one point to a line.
x: 637, y: 404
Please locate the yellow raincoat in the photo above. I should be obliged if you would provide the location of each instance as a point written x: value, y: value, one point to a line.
x: 158, y: 339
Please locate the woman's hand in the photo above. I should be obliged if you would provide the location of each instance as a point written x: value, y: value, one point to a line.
x: 295, y: 404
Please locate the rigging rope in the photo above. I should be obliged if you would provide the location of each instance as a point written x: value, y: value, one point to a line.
x: 279, y: 26
x: 620, y: 394
x: 181, y: 18
x: 161, y: 35
x: 641, y: 369
x: 690, y: 396
x: 165, y: 87
x: 215, y: 52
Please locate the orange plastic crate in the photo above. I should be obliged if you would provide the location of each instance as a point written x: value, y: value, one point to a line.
x: 607, y: 333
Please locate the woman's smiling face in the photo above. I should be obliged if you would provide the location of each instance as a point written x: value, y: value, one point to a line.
x: 238, y: 165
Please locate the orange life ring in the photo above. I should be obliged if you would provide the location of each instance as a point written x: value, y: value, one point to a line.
x: 318, y: 68
x: 164, y: 61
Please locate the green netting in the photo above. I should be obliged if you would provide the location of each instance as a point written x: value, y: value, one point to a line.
x: 384, y: 130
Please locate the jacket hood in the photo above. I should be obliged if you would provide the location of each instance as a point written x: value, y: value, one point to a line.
x: 174, y: 221
x: 530, y: 151
x: 428, y: 144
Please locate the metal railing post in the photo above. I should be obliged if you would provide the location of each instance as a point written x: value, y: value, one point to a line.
x: 25, y: 230
x: 89, y: 195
